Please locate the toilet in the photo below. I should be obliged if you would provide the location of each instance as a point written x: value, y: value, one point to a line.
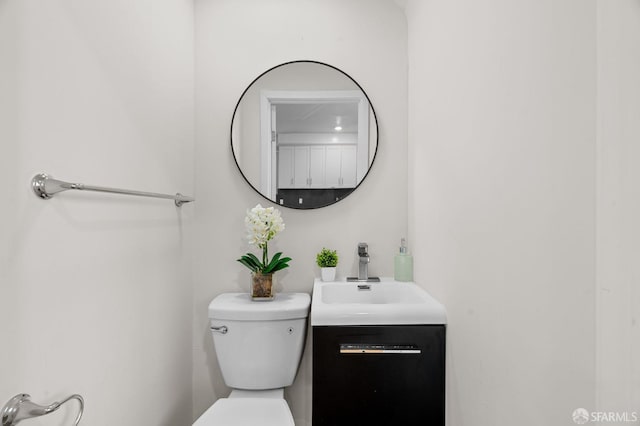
x: 259, y: 346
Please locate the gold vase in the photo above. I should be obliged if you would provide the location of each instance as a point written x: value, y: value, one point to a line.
x: 262, y: 286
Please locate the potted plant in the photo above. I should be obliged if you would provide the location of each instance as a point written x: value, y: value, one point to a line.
x: 327, y: 260
x: 262, y: 225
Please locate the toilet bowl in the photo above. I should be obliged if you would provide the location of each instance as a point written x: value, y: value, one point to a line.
x: 259, y: 346
x: 247, y: 410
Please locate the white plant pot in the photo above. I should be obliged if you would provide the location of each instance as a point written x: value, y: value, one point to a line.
x: 328, y: 274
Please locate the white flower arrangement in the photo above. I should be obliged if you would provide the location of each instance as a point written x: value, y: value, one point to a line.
x: 262, y: 225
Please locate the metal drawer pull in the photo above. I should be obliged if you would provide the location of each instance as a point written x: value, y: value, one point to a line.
x: 359, y: 348
x: 222, y: 329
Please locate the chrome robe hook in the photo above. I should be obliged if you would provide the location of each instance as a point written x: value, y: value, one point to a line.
x: 20, y: 407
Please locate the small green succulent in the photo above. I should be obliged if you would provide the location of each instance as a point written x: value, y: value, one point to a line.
x: 327, y: 258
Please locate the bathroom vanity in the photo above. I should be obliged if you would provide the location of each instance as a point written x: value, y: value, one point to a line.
x: 378, y: 354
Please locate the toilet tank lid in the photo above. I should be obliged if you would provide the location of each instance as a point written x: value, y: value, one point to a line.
x: 239, y: 306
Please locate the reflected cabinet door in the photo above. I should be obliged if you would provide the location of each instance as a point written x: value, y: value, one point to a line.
x: 316, y: 167
x: 286, y: 167
x: 341, y: 166
x: 301, y: 166
x: 348, y: 167
x: 332, y: 176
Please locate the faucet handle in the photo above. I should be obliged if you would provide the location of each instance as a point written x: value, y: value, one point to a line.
x: 363, y: 249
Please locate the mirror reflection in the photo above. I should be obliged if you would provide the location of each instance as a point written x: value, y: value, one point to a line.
x: 304, y: 134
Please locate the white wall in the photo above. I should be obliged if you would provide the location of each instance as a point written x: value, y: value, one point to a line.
x: 96, y: 289
x: 511, y: 186
x: 618, y: 228
x: 502, y: 200
x: 235, y: 42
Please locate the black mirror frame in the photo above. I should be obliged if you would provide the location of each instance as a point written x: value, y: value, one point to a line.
x: 375, y: 118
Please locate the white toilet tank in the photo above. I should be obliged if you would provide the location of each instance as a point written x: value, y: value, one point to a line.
x: 259, y: 344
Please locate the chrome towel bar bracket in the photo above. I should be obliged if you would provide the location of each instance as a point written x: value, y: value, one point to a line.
x: 21, y: 408
x: 45, y: 187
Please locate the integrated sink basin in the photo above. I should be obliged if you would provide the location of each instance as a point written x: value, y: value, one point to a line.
x: 378, y: 354
x: 387, y: 302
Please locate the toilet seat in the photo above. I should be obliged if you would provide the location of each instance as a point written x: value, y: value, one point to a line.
x: 247, y: 412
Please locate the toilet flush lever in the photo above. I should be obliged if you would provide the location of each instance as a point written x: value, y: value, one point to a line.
x: 222, y: 329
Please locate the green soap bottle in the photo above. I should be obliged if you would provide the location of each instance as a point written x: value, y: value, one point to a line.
x: 403, y: 264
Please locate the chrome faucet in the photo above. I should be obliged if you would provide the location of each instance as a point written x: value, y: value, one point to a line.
x: 363, y: 265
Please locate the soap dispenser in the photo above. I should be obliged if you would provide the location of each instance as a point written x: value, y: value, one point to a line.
x: 403, y: 264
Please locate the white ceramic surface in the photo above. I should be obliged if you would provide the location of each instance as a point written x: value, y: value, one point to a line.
x: 263, y: 342
x: 239, y: 306
x: 387, y: 302
x: 247, y: 412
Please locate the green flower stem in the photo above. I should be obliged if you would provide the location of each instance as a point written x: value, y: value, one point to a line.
x: 265, y: 256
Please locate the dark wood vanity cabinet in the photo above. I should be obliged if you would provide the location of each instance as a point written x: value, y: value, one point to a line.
x: 379, y: 375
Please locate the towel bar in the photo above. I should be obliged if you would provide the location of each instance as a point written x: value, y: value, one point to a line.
x: 45, y: 186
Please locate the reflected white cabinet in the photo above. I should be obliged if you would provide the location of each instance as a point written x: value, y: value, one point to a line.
x: 286, y: 167
x: 341, y: 166
x: 301, y: 167
x: 317, y: 166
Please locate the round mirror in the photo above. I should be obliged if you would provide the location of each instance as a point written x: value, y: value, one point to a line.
x: 304, y: 134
